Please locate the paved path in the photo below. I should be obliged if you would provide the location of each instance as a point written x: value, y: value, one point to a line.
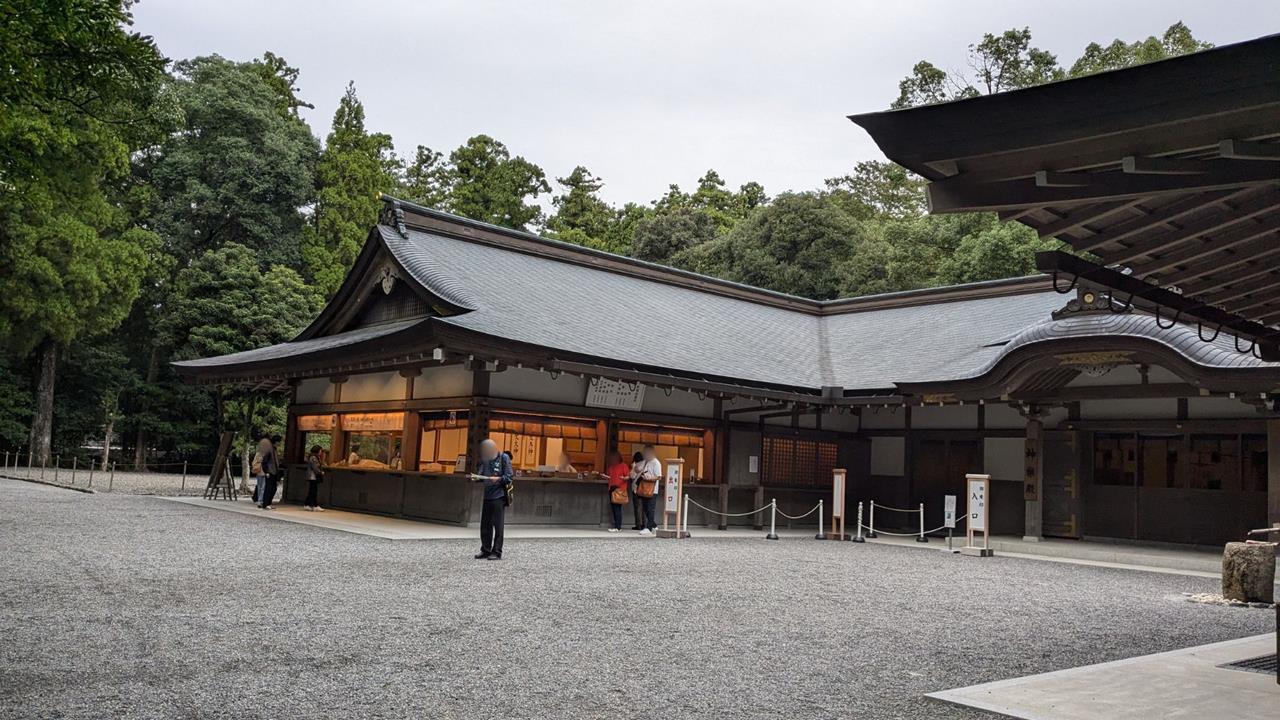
x: 1177, y: 684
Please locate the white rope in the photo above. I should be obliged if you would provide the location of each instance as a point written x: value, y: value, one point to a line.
x: 716, y: 512
x: 914, y: 534
x: 886, y: 507
x: 800, y: 517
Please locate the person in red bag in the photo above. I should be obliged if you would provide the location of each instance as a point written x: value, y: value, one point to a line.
x: 619, y: 475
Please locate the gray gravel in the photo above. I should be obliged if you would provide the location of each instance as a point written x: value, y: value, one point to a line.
x: 120, y: 481
x: 127, y: 606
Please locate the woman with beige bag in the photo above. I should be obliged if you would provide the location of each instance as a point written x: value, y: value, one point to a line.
x: 619, y: 475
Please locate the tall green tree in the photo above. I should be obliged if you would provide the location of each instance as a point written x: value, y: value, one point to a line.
x: 242, y: 167
x: 879, y: 189
x: 1009, y: 61
x: 425, y: 179
x: 354, y: 168
x: 79, y: 93
x: 1176, y: 40
x: 581, y: 216
x: 662, y: 235
x: 486, y: 183
x: 226, y: 302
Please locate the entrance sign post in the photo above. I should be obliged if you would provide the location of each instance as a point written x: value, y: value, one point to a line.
x: 949, y: 517
x: 838, y: 476
x: 673, y: 500
x: 977, y: 489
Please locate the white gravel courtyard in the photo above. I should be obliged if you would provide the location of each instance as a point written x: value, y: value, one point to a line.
x: 127, y: 606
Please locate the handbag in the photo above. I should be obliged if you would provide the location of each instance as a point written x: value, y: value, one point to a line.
x: 619, y: 496
x: 647, y: 487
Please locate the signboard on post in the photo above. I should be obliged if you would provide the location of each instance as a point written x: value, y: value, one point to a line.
x: 838, y: 478
x: 977, y: 487
x: 949, y: 511
x: 673, y: 499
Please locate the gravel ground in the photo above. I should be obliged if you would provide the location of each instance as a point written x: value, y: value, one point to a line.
x: 121, y: 481
x: 126, y: 606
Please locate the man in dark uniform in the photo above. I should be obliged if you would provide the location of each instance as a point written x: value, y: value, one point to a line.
x: 495, y: 472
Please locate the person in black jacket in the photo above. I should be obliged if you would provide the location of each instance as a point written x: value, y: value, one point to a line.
x: 495, y: 472
x: 315, y: 476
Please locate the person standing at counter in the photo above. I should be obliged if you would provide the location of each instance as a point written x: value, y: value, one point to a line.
x: 495, y: 472
x: 315, y: 476
x: 619, y: 477
x: 637, y: 507
x: 647, y: 487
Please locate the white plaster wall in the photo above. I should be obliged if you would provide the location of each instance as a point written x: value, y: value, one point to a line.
x: 373, y: 386
x: 846, y: 422
x: 1220, y: 407
x: 526, y: 384
x: 954, y: 417
x: 444, y: 381
x: 742, y: 445
x: 1144, y: 409
x: 680, y: 402
x: 315, y: 390
x: 1002, y: 458
x: 887, y: 455
x: 1002, y: 417
x: 883, y: 418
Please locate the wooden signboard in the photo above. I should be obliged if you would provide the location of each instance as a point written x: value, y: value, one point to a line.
x: 614, y: 394
x: 838, y: 481
x: 977, y: 491
x: 673, y: 500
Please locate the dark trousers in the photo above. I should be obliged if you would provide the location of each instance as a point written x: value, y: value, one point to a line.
x: 312, y: 487
x: 650, y: 505
x: 637, y: 507
x: 269, y: 496
x: 617, y: 515
x: 491, y: 522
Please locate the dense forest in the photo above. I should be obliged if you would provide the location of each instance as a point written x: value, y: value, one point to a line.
x: 155, y: 210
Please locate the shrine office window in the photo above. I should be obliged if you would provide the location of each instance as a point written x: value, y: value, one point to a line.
x: 796, y: 462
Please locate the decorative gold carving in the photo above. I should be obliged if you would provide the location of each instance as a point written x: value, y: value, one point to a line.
x: 1104, y: 357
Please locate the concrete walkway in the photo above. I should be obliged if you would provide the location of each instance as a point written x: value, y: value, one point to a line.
x: 1189, y: 561
x: 1179, y: 684
x: 392, y: 528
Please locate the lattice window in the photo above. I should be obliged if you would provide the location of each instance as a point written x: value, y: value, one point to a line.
x: 796, y: 462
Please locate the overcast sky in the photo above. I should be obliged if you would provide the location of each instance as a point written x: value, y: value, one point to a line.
x: 652, y: 92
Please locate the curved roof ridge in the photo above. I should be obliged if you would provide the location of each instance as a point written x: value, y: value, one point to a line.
x: 426, y: 271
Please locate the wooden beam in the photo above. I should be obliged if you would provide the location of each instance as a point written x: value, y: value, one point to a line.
x: 1160, y: 216
x: 1255, y: 300
x: 1140, y: 165
x: 1249, y: 150
x: 1241, y: 289
x: 1079, y: 218
x: 1049, y: 178
x: 1245, y: 266
x: 959, y: 194
x: 1238, y: 235
x: 1108, y: 392
x: 1161, y: 239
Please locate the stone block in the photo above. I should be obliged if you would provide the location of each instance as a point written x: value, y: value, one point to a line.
x: 1249, y: 571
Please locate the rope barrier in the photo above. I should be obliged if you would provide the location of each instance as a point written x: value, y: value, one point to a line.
x: 886, y: 507
x: 914, y: 534
x: 717, y: 512
x: 801, y: 517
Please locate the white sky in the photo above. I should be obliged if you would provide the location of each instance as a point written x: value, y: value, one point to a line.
x: 653, y: 92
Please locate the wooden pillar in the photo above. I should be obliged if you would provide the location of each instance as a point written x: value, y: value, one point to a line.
x: 338, y: 445
x: 294, y: 453
x: 1032, y: 490
x: 412, y: 433
x: 1273, y: 471
x: 478, y: 420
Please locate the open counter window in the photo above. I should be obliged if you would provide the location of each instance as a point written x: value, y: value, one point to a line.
x: 547, y: 443
x: 444, y: 440
x: 373, y: 440
x: 316, y: 430
x: 669, y: 442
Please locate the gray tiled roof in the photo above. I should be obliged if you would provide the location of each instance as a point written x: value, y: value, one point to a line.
x: 572, y: 305
x: 302, y: 347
